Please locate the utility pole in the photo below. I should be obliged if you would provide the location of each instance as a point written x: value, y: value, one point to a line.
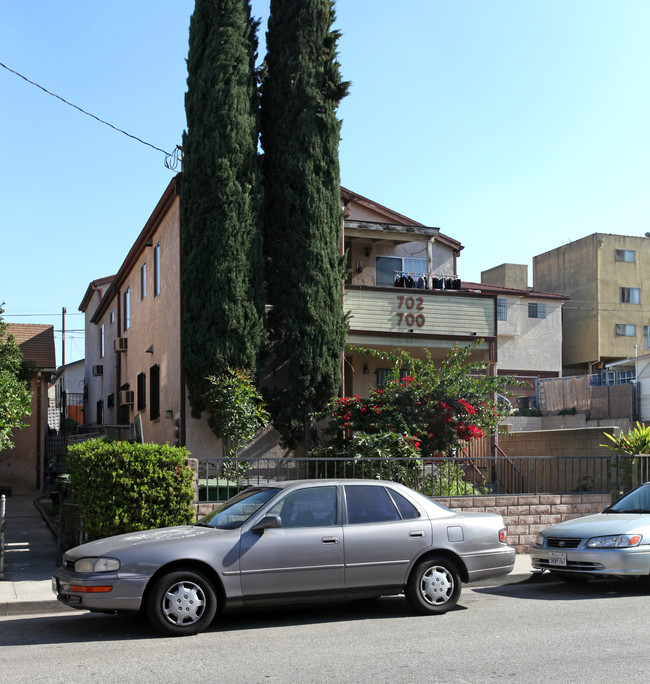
x: 63, y: 336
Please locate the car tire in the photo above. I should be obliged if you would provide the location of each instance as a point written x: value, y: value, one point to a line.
x: 434, y: 586
x: 181, y: 603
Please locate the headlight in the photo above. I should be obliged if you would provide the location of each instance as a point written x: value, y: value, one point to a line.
x: 614, y: 541
x: 97, y: 565
x: 539, y: 539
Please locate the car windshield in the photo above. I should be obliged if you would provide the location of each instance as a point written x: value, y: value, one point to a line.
x: 636, y: 501
x: 236, y: 511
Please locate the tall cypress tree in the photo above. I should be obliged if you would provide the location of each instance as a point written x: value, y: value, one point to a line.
x: 222, y: 287
x: 302, y: 210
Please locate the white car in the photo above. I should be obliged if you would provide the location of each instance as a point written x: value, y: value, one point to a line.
x: 615, y: 542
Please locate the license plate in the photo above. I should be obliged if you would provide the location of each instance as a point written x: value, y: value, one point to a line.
x: 557, y: 558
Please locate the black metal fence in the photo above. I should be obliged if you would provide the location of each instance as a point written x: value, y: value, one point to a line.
x: 218, y: 479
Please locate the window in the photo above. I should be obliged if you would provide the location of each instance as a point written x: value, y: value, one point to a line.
x: 646, y: 336
x: 407, y: 510
x: 502, y: 309
x: 625, y: 255
x: 383, y: 373
x: 625, y: 377
x: 101, y: 340
x: 156, y: 270
x: 111, y: 317
x: 143, y: 281
x: 100, y: 412
x: 310, y: 507
x: 110, y: 401
x: 127, y: 308
x: 154, y: 392
x: 142, y: 391
x: 386, y: 266
x: 368, y: 504
x: 630, y: 295
x: 536, y: 310
x: 626, y: 329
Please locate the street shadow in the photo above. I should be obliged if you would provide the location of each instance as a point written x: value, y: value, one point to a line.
x: 543, y: 586
x: 85, y: 627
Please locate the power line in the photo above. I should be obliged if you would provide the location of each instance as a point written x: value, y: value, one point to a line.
x: 171, y: 158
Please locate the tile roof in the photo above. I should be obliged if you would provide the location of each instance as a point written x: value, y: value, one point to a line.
x: 36, y: 342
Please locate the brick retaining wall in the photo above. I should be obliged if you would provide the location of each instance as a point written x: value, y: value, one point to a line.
x: 526, y: 514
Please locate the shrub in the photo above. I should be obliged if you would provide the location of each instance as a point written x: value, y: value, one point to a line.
x: 124, y: 486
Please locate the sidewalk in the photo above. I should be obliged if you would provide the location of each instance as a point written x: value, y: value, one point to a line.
x: 31, y: 555
x: 30, y: 559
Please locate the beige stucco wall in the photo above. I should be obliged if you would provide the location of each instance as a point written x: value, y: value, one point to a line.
x: 530, y: 343
x: 588, y: 272
x: 154, y: 333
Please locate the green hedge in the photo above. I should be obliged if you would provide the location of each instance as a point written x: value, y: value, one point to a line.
x: 124, y: 486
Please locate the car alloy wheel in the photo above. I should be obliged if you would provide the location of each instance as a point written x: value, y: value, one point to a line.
x: 182, y: 602
x: 434, y: 586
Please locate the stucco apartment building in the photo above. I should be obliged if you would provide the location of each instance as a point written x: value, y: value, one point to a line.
x: 608, y: 316
x: 403, y: 291
x: 529, y: 325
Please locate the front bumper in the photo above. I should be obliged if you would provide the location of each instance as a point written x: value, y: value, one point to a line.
x: 89, y: 591
x: 623, y: 562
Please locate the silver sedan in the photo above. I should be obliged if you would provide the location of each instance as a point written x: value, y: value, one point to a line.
x: 615, y: 542
x: 291, y: 542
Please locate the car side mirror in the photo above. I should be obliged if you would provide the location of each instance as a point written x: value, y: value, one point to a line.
x: 267, y: 522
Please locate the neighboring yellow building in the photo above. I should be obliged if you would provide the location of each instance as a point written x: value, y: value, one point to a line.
x: 608, y: 317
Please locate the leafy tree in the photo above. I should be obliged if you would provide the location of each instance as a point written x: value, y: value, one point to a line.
x: 236, y: 413
x: 222, y: 286
x: 15, y: 395
x: 302, y: 210
x: 434, y: 408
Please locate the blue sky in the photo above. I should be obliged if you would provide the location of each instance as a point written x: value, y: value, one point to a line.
x: 515, y: 126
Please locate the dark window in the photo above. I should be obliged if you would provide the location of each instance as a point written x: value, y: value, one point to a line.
x: 310, y: 507
x: 142, y: 391
x: 536, y: 310
x: 110, y: 401
x: 154, y: 392
x: 630, y: 295
x: 407, y: 510
x: 502, y: 309
x: 625, y: 255
x: 368, y: 504
x: 143, y: 281
x: 626, y: 330
x: 127, y: 308
x: 100, y: 412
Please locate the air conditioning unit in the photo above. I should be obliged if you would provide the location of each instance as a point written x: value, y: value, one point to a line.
x: 121, y: 344
x: 127, y: 398
x: 98, y: 370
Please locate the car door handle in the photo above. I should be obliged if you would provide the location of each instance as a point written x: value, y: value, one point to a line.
x: 416, y: 533
x: 330, y: 540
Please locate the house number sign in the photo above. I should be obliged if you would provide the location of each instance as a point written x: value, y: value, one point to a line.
x: 410, y: 306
